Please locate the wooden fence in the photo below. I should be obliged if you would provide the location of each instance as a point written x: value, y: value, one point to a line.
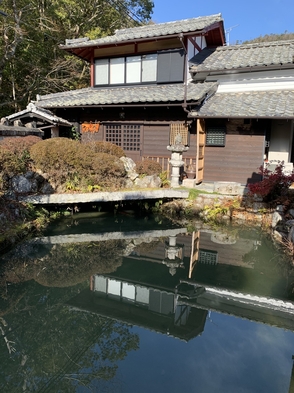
x: 165, y: 165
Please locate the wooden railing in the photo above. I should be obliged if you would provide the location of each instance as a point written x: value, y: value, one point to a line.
x: 165, y: 165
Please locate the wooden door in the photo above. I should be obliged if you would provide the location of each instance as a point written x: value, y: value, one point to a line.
x: 200, y: 145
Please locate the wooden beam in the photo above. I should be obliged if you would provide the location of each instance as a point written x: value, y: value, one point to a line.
x: 194, y: 43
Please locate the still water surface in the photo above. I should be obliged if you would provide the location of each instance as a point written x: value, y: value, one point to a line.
x: 105, y: 303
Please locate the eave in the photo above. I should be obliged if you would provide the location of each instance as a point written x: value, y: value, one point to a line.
x: 214, y: 35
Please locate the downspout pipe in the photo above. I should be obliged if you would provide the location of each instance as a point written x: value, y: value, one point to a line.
x: 184, y: 105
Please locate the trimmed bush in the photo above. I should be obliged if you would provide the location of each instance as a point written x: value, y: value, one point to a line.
x: 106, y: 147
x: 19, y: 144
x: 148, y: 167
x: 108, y: 171
x: 70, y: 165
x: 15, y: 157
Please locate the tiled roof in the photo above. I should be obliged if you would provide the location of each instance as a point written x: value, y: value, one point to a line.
x: 32, y: 111
x: 126, y: 95
x: 148, y: 31
x: 275, y: 53
x: 254, y: 104
x: 19, y: 131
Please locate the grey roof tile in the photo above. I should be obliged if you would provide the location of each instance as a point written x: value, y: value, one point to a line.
x: 149, y: 31
x: 19, y: 131
x: 31, y: 111
x: 257, y: 104
x: 244, y: 56
x: 126, y: 95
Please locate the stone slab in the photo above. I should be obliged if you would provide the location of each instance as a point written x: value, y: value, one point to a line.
x: 190, y: 183
x: 63, y: 199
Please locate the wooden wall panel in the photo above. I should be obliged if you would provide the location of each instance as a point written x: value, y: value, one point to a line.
x: 238, y: 161
x: 228, y: 254
x: 156, y: 140
x: 92, y: 136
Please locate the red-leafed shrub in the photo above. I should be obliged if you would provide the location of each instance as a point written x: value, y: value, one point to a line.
x: 148, y: 167
x: 274, y: 183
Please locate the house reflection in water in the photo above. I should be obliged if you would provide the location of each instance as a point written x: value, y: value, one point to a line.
x: 142, y: 305
x: 169, y: 284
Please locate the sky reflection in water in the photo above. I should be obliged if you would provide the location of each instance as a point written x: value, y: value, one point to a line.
x: 232, y: 355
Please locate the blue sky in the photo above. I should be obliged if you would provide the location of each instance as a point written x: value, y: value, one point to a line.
x: 245, y: 20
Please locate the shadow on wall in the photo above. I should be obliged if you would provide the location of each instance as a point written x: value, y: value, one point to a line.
x: 255, y: 177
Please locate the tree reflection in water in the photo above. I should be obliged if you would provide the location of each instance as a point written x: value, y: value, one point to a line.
x: 45, y: 343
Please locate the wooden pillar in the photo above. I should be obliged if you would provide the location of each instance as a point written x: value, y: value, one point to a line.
x: 200, y: 144
x: 55, y: 132
x: 194, y: 251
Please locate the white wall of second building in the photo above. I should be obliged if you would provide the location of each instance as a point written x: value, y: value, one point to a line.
x: 281, y: 141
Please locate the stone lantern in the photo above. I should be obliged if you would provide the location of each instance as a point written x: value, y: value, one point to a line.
x: 176, y: 161
x: 173, y: 255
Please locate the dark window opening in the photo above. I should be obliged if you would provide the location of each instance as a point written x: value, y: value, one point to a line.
x: 216, y: 136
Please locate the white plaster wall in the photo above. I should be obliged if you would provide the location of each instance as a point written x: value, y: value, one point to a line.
x: 281, y: 140
x: 192, y: 51
x: 254, y: 81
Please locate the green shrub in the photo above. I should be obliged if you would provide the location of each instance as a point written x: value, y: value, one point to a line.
x: 148, y: 167
x: 106, y: 147
x: 63, y: 160
x: 71, y: 166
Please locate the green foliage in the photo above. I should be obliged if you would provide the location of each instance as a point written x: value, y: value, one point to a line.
x: 164, y: 179
x: 30, y: 62
x: 106, y: 147
x: 56, y: 347
x: 193, y: 194
x: 213, y: 213
x: 74, y: 134
x: 148, y: 167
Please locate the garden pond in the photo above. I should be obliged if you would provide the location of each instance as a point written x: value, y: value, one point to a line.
x: 119, y: 303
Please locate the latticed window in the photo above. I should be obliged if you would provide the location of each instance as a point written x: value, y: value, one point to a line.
x: 127, y: 136
x: 113, y: 134
x: 207, y: 257
x: 179, y: 129
x: 216, y: 136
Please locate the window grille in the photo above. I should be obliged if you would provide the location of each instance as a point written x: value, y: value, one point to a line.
x: 127, y: 136
x: 207, y: 257
x: 216, y: 136
x: 179, y: 129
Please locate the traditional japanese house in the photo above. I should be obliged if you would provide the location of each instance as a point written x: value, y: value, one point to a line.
x: 232, y: 105
x: 249, y: 119
x: 139, y: 96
